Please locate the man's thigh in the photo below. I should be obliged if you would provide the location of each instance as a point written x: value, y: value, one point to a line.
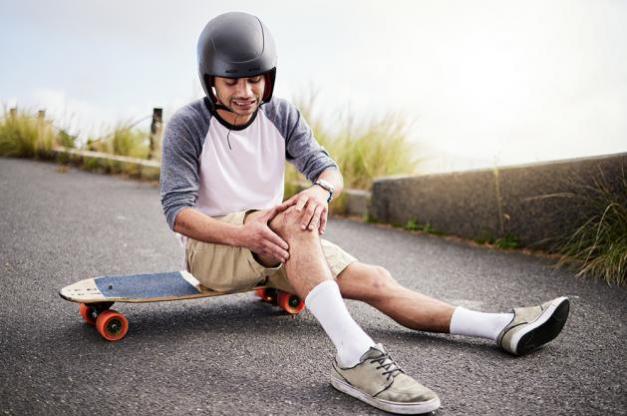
x: 222, y: 267
x: 337, y: 260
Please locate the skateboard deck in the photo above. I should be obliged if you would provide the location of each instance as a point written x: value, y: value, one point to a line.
x: 97, y: 295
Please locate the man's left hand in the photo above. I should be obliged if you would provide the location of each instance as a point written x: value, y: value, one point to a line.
x: 312, y: 202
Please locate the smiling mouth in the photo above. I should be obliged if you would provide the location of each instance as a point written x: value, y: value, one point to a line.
x: 244, y: 103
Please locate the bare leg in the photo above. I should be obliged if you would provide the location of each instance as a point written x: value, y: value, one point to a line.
x: 309, y: 274
x: 375, y: 286
x: 307, y: 266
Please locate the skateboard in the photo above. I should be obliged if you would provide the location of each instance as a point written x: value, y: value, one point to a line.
x: 98, y: 294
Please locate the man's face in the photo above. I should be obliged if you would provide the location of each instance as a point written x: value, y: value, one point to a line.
x: 241, y: 95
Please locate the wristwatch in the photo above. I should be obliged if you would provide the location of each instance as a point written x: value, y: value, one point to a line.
x: 327, y: 187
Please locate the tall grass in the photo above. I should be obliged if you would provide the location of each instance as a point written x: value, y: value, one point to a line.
x: 598, y: 246
x: 124, y: 140
x: 363, y: 152
x: 28, y: 136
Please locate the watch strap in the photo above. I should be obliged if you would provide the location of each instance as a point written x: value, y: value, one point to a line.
x: 324, y: 186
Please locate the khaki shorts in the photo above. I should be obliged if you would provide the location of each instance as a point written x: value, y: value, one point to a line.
x: 225, y: 268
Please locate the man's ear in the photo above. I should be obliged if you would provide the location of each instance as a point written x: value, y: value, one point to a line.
x: 216, y: 98
x: 211, y: 82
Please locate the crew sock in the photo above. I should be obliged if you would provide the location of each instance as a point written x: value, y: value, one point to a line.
x: 479, y: 324
x: 326, y: 304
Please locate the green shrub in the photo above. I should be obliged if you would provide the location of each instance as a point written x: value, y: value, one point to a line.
x: 598, y: 246
x: 412, y: 225
x: 508, y: 242
x: 66, y: 140
x: 93, y: 164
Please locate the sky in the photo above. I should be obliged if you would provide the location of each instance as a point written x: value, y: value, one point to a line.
x: 483, y: 83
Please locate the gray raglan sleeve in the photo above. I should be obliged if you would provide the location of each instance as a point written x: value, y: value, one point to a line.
x: 179, y: 167
x: 301, y: 147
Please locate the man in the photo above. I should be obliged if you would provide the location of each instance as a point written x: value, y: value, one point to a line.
x: 222, y: 191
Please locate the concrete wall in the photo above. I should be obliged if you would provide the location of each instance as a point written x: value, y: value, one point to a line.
x: 96, y: 161
x: 356, y: 202
x: 534, y: 203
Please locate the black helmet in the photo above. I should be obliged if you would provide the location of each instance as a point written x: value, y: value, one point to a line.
x: 236, y: 45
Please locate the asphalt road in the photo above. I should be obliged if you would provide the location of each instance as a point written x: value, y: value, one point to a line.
x: 235, y: 355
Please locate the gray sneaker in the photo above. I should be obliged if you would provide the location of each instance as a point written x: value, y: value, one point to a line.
x: 534, y: 326
x: 378, y: 381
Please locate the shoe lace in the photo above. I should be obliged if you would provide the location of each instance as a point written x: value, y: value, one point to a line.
x: 385, y: 362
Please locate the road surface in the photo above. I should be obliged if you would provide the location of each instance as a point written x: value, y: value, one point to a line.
x: 236, y: 355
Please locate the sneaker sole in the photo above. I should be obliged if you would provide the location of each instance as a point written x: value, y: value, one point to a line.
x: 393, y: 407
x: 544, y: 329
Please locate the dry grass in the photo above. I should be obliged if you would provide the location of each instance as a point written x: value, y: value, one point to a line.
x: 364, y: 151
x: 124, y: 140
x: 598, y: 246
x: 26, y: 135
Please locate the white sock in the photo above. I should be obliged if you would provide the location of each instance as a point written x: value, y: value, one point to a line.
x: 326, y: 304
x: 479, y: 324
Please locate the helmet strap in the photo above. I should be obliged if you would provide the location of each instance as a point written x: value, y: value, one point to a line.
x: 213, y: 99
x: 269, y: 76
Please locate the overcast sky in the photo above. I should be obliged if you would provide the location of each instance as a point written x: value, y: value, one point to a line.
x: 485, y: 81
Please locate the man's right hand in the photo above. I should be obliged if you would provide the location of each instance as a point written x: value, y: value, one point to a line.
x: 257, y: 236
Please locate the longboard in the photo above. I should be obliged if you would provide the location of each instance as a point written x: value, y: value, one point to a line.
x: 97, y: 295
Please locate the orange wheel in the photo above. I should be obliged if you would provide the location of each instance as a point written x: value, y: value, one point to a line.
x: 261, y: 293
x: 267, y: 294
x: 112, y: 325
x: 290, y: 303
x: 87, y: 312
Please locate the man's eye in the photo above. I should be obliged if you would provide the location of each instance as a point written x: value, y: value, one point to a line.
x: 254, y: 80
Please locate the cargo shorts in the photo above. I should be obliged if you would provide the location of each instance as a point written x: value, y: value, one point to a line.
x: 227, y: 268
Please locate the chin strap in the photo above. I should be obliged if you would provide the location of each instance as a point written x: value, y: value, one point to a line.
x: 219, y: 106
x: 222, y: 107
x: 212, y: 100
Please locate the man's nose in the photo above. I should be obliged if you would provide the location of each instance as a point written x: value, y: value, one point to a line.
x: 244, y: 88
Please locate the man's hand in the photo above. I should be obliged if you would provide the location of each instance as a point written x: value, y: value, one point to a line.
x: 259, y: 238
x: 312, y: 202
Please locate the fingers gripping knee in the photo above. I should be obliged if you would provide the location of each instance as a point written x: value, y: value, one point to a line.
x: 287, y: 223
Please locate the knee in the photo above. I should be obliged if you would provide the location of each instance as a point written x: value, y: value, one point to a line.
x: 381, y: 280
x: 288, y: 224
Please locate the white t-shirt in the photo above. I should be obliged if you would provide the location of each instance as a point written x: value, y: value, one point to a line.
x: 219, y: 168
